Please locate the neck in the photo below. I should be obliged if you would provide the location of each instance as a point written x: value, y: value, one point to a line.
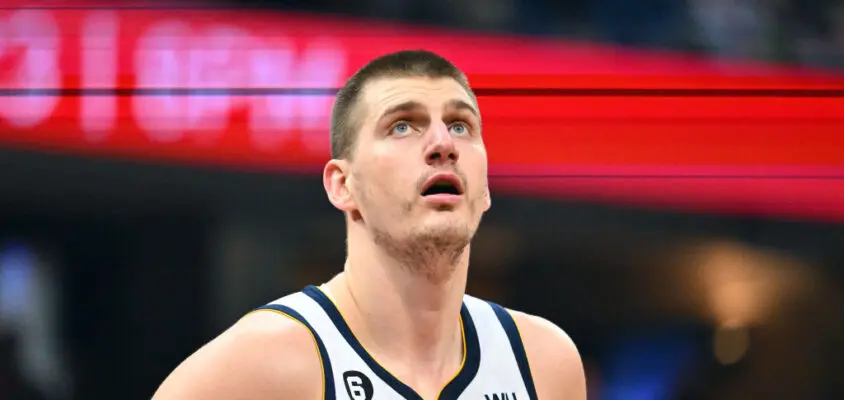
x: 399, y: 315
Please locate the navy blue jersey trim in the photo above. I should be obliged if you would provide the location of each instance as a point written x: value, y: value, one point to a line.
x: 450, y: 392
x: 455, y: 388
x: 509, y: 325
x: 327, y: 373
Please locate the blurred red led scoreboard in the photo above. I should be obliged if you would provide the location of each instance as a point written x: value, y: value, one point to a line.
x: 253, y: 90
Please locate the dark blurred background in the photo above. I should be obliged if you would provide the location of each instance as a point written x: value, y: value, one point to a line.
x: 803, y: 32
x: 113, y: 271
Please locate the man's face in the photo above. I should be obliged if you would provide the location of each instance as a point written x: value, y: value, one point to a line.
x: 415, y: 132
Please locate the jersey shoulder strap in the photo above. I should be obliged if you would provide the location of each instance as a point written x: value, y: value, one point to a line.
x: 296, y: 307
x: 498, y: 332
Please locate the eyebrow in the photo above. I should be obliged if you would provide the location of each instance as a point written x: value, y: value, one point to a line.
x: 462, y: 105
x: 399, y: 108
x: 415, y: 105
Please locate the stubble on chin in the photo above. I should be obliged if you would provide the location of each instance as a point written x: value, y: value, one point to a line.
x: 432, y: 254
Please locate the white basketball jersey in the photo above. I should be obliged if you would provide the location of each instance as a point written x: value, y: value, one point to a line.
x: 495, y: 366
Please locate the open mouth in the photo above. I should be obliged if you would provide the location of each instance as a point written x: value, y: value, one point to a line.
x: 443, y: 186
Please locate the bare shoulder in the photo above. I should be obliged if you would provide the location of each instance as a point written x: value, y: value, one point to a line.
x: 553, y: 357
x: 265, y: 355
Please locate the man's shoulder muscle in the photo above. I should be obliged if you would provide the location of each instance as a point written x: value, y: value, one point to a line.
x: 553, y: 357
x: 262, y: 356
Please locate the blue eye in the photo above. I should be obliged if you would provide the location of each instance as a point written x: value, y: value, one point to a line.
x: 459, y: 129
x: 402, y: 128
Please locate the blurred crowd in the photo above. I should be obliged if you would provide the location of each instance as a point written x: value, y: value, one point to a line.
x: 808, y: 32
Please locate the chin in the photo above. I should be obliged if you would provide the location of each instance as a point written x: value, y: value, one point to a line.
x: 431, y: 248
x: 447, y: 230
x: 456, y: 223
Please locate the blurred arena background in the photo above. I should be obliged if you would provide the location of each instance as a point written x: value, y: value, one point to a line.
x: 125, y: 245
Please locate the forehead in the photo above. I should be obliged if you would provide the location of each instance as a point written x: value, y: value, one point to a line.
x: 434, y: 93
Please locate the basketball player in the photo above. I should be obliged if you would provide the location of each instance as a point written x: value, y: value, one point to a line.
x: 409, y: 172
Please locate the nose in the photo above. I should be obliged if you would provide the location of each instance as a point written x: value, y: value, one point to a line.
x: 442, y: 149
